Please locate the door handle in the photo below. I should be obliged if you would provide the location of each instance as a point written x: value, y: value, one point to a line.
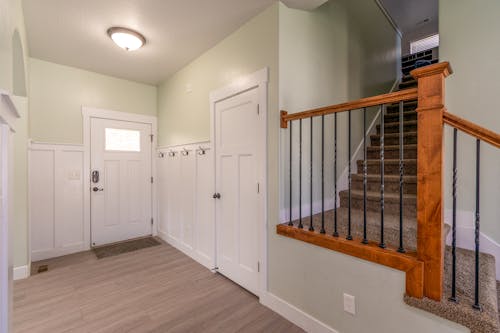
x: 216, y: 196
x: 97, y: 189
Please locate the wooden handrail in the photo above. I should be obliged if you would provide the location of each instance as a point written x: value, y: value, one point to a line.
x: 398, y: 96
x: 470, y: 128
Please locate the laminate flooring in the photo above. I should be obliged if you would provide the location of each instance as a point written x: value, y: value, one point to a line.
x: 158, y: 289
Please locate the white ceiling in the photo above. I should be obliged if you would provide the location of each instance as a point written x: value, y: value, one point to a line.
x: 409, y: 15
x: 73, y: 32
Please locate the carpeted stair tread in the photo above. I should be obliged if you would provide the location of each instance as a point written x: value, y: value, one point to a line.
x: 391, y: 166
x: 394, y: 117
x: 391, y: 226
x: 393, y: 127
x: 392, y: 152
x: 485, y: 321
x: 391, y: 202
x: 392, y: 139
x: 407, y: 106
x: 391, y: 183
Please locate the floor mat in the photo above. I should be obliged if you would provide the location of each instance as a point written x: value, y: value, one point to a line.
x: 124, y: 247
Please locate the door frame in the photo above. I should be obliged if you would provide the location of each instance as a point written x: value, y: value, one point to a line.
x: 260, y: 81
x: 88, y: 113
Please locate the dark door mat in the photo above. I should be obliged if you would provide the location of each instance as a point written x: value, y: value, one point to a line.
x: 124, y: 247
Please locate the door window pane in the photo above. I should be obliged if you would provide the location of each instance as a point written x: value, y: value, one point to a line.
x: 122, y: 140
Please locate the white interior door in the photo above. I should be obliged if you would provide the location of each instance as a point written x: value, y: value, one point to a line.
x: 237, y: 208
x: 121, y: 180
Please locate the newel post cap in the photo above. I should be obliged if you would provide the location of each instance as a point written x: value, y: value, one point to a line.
x: 443, y: 68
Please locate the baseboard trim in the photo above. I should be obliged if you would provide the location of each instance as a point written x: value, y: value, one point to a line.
x: 187, y: 251
x: 21, y: 272
x: 58, y: 252
x: 294, y: 314
x: 466, y: 236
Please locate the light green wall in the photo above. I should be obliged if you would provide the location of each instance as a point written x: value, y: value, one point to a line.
x: 183, y: 117
x: 11, y: 20
x: 469, y: 41
x: 57, y: 94
x: 21, y: 238
x: 327, y: 56
x: 14, y: 76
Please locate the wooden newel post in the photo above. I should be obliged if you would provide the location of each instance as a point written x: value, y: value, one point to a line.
x: 430, y: 235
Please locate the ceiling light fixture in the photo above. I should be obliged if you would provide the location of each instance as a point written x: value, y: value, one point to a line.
x: 127, y: 39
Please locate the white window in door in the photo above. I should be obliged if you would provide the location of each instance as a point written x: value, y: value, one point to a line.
x: 118, y: 139
x: 237, y: 177
x: 120, y: 180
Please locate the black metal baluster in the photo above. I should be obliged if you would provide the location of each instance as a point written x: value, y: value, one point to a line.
x: 300, y: 175
x: 349, y: 177
x: 365, y: 239
x: 335, y: 231
x: 476, y: 305
x: 453, y: 297
x: 311, y: 228
x: 322, y: 174
x: 290, y: 223
x: 401, y: 248
x: 382, y: 138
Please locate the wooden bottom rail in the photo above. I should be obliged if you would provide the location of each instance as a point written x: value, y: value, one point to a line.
x: 406, y: 262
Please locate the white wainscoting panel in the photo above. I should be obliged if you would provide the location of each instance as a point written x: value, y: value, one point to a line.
x: 56, y: 200
x: 185, y: 204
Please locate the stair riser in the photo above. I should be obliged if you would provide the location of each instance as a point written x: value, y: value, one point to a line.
x: 407, y: 116
x: 392, y: 208
x: 392, y: 141
x: 391, y: 109
x: 395, y: 128
x: 389, y: 168
x: 392, y: 154
x: 389, y: 186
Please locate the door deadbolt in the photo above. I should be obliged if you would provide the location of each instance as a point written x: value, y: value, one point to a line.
x: 216, y: 196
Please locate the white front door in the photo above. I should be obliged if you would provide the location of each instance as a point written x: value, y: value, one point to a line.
x: 237, y: 208
x: 120, y: 181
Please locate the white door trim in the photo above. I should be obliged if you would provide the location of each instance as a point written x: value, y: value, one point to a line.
x: 90, y: 112
x: 257, y: 80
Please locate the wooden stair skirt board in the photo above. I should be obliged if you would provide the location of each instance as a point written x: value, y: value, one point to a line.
x: 389, y: 257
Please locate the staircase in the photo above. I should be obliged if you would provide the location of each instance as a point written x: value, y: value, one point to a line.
x: 485, y: 320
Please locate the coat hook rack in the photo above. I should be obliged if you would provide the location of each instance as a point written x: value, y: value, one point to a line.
x: 161, y: 155
x: 201, y: 150
x: 171, y: 153
x: 185, y: 152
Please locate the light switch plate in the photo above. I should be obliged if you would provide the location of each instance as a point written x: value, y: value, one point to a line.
x: 349, y: 304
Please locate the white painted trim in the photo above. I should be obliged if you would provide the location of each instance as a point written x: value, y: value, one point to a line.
x: 21, y: 272
x: 257, y: 80
x: 209, y: 264
x: 88, y: 113
x: 300, y: 318
x: 8, y: 114
x: 466, y: 236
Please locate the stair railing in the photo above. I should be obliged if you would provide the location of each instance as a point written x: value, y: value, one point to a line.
x: 480, y: 134
x: 425, y: 267
x: 341, y: 238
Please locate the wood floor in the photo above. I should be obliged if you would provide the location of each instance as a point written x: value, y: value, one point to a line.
x: 158, y: 289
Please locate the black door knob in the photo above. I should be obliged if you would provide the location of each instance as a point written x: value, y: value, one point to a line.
x: 216, y: 196
x: 97, y: 189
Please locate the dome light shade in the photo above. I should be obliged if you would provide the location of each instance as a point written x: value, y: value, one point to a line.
x: 127, y: 39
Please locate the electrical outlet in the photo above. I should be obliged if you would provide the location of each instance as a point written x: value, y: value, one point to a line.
x: 349, y: 304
